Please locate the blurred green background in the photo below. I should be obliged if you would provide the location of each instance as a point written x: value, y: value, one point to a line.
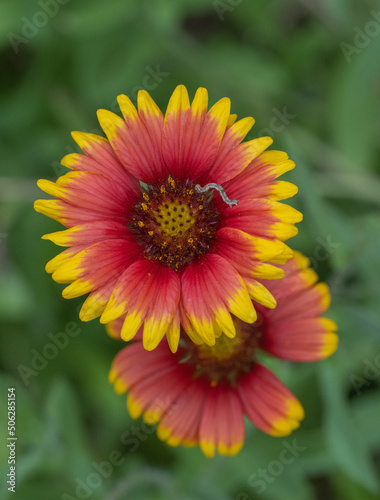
x: 309, y: 72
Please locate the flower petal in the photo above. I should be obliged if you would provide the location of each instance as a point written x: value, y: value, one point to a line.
x: 246, y: 253
x: 148, y: 376
x: 192, y: 136
x: 231, y: 162
x: 136, y: 140
x: 95, y: 266
x: 149, y: 293
x: 99, y: 158
x: 295, y: 330
x: 180, y: 425
x: 85, y: 235
x: 268, y: 403
x: 258, y: 179
x: 259, y: 293
x: 85, y: 197
x: 297, y: 294
x: 301, y: 339
x: 261, y: 217
x: 222, y: 425
x: 211, y: 290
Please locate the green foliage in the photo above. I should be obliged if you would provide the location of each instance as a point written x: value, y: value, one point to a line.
x: 265, y: 56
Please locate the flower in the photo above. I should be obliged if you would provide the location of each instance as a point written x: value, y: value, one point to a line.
x: 149, y: 238
x: 200, y: 394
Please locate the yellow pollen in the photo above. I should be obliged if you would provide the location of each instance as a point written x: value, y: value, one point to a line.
x: 150, y: 233
x: 190, y: 240
x: 146, y: 197
x: 174, y: 218
x: 171, y: 182
x: 140, y: 223
x: 224, y: 348
x: 200, y: 207
x: 229, y: 357
x: 144, y: 206
x: 162, y: 189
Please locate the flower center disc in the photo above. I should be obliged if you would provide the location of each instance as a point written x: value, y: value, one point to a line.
x: 174, y: 223
x: 229, y: 358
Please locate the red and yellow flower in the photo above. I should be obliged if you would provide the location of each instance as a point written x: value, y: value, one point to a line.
x: 200, y: 394
x: 147, y: 242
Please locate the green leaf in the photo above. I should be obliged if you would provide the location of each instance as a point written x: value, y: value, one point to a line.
x: 64, y: 434
x: 352, y: 118
x: 347, y: 448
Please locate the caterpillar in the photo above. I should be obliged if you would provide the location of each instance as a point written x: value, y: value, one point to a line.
x: 213, y: 185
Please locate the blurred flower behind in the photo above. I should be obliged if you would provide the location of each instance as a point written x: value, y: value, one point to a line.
x: 200, y: 394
